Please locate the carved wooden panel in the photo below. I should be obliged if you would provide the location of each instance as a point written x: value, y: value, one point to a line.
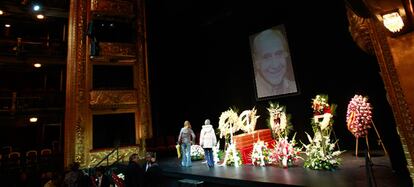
x: 113, y: 98
x: 389, y: 64
x: 113, y: 7
x: 117, y: 51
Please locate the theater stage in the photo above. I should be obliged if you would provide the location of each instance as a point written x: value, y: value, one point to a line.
x: 351, y: 173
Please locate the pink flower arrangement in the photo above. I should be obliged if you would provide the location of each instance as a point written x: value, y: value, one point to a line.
x: 285, y: 153
x: 359, y: 116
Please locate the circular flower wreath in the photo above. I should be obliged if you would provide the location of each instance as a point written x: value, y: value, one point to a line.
x: 359, y: 116
x: 228, y: 123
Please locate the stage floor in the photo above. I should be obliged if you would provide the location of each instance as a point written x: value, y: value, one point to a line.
x: 352, y: 172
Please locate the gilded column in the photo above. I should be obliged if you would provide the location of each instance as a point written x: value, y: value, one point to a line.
x: 75, y: 84
x: 145, y: 129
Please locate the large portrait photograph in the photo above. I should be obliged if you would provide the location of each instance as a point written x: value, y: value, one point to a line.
x: 272, y: 65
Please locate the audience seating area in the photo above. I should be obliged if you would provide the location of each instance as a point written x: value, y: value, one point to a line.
x: 15, y: 159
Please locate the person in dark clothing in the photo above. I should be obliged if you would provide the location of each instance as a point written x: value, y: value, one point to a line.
x: 153, y: 172
x: 100, y: 179
x: 135, y: 173
x: 147, y: 164
x: 75, y: 177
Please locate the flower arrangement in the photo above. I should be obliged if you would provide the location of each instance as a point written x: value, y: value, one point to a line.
x: 321, y: 154
x: 320, y: 151
x: 216, y: 152
x: 320, y: 105
x: 285, y: 152
x: 279, y: 121
x: 197, y: 152
x: 228, y: 123
x: 260, y: 154
x: 247, y: 120
x: 359, y: 116
x: 322, y: 113
x: 232, y: 157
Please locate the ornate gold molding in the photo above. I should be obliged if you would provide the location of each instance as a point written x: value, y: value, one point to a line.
x: 75, y: 84
x: 142, y: 74
x: 113, y: 98
x: 81, y: 103
x: 395, y: 94
x: 81, y: 25
x: 113, y: 7
x: 123, y: 154
x: 108, y: 49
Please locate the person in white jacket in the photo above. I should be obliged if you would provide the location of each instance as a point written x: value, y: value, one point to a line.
x: 207, y: 141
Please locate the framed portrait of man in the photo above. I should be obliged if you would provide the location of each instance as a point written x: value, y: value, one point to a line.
x: 272, y: 64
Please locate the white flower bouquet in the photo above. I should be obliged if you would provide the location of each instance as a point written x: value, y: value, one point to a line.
x: 197, y: 152
x: 261, y: 154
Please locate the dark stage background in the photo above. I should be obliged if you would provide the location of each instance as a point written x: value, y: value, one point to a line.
x: 200, y: 65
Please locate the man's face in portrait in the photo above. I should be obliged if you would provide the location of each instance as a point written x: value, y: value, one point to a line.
x: 271, y: 57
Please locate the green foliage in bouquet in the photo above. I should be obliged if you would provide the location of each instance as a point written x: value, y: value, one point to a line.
x: 221, y: 154
x: 321, y: 154
x: 230, y: 160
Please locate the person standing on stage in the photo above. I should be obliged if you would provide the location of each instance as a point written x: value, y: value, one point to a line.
x: 207, y: 141
x: 186, y: 139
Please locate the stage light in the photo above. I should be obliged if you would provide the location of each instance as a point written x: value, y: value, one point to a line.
x: 37, y: 65
x: 393, y: 22
x: 7, y: 25
x: 33, y: 119
x: 1, y: 12
x: 36, y: 7
x: 40, y: 16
